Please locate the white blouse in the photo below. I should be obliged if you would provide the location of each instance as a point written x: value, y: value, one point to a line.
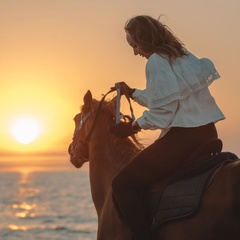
x: 177, y: 94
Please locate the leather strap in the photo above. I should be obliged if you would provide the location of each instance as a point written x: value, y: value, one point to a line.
x: 118, y: 113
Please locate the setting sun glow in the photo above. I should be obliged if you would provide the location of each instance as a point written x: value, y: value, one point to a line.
x: 25, y: 130
x: 52, y: 52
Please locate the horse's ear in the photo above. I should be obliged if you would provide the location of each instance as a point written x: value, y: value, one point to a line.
x: 87, y: 100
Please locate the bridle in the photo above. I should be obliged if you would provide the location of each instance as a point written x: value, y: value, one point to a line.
x: 78, y: 149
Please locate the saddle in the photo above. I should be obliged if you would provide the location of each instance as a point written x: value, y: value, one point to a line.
x: 181, y: 196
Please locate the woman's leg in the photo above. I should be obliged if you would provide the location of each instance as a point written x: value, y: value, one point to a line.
x: 157, y: 162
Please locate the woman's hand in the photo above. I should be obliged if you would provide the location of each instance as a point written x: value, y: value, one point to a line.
x: 125, y: 89
x: 122, y: 129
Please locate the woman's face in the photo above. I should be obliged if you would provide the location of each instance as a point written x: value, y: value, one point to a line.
x: 136, y: 49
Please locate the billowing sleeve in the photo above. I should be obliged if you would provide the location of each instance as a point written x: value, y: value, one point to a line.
x: 158, y: 115
x: 158, y: 118
x: 158, y: 86
x: 161, y: 82
x: 140, y: 96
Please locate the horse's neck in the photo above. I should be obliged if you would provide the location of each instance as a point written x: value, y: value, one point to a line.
x: 107, y: 158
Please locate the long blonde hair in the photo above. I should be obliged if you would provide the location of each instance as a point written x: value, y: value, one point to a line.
x: 154, y: 37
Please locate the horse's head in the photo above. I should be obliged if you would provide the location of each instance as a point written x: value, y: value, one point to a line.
x: 85, y: 123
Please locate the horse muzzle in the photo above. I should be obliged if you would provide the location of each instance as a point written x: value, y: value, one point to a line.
x: 79, y: 154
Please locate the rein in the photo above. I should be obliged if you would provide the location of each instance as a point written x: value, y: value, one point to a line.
x: 118, y: 114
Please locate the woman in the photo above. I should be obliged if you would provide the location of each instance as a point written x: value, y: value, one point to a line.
x: 179, y: 103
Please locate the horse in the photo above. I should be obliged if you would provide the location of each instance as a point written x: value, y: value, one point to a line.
x: 217, y: 217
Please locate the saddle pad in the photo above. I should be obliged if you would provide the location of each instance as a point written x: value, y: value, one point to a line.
x: 181, y: 198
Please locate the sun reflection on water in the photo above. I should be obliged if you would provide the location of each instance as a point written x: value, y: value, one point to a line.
x: 24, y: 206
x: 26, y: 202
x: 16, y: 228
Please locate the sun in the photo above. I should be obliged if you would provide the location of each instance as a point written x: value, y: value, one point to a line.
x: 25, y: 130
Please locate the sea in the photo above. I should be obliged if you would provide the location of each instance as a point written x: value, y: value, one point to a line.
x: 46, y: 205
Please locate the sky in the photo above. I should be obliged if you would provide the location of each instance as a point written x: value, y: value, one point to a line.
x: 53, y: 51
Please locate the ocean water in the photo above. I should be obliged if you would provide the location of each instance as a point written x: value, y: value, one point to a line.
x: 46, y: 205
